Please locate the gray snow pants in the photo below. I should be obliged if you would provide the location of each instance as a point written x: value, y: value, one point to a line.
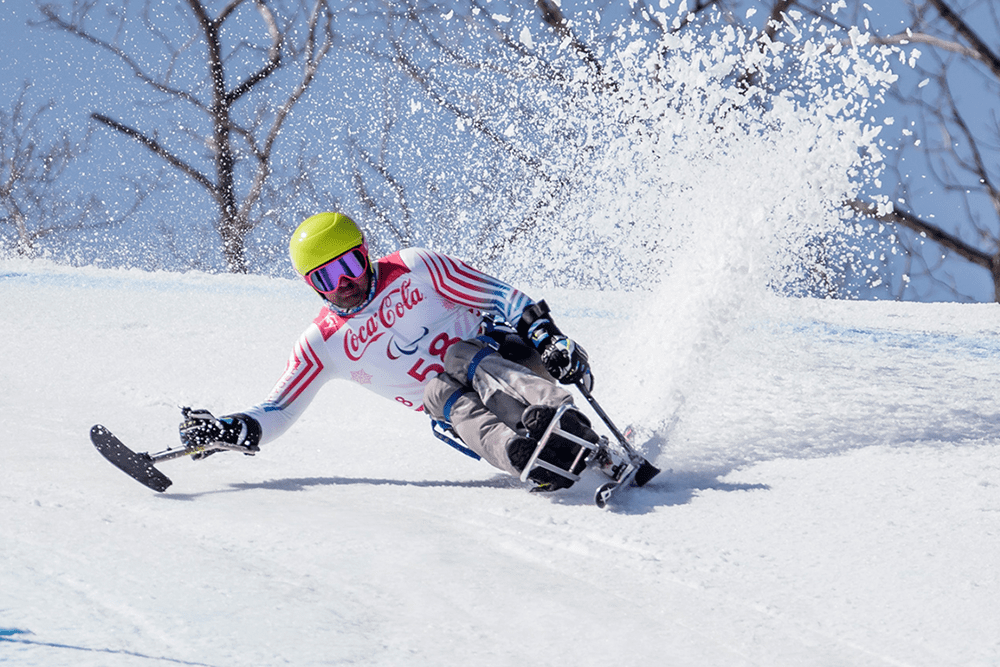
x: 486, y: 406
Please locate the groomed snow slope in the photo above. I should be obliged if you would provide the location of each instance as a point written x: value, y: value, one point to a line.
x: 831, y: 496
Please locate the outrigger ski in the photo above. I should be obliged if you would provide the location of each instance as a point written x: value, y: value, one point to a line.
x: 140, y: 466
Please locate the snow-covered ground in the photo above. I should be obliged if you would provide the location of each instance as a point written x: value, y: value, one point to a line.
x: 831, y: 495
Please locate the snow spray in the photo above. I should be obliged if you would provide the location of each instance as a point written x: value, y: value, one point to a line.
x: 716, y: 168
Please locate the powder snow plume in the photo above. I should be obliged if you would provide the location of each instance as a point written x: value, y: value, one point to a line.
x: 713, y: 173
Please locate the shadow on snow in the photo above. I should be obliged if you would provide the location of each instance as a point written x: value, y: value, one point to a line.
x: 669, y: 489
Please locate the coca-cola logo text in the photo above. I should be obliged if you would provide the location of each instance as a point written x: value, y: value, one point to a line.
x: 393, y: 307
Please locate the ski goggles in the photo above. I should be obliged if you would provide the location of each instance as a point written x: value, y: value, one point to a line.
x: 351, y: 265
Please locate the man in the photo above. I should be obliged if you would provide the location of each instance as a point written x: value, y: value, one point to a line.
x: 430, y: 333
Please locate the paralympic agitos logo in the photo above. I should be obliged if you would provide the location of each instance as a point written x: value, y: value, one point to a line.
x: 393, y: 307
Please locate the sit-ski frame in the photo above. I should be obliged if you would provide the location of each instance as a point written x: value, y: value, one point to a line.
x: 553, y: 429
x: 628, y: 458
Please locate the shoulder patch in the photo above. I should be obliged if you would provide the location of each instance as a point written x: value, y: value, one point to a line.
x: 328, y: 322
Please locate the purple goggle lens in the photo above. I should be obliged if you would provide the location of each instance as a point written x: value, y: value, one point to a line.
x: 326, y: 278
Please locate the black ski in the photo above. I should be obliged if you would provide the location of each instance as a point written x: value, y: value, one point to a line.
x: 139, y: 466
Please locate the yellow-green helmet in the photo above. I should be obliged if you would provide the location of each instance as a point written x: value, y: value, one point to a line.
x: 322, y: 237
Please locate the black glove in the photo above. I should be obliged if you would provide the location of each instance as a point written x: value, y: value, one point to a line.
x: 564, y: 360
x: 201, y: 428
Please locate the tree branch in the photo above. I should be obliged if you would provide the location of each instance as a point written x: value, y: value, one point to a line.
x: 411, y: 69
x: 52, y: 17
x: 273, y: 56
x: 159, y: 149
x: 911, y: 37
x: 934, y: 233
x: 229, y: 9
x: 985, y: 54
x: 775, y: 20
x: 552, y: 16
x: 313, y: 60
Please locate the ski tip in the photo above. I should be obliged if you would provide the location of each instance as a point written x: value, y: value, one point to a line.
x: 138, y: 466
x: 646, y: 472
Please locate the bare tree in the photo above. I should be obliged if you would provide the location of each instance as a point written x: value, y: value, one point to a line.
x: 35, y: 197
x: 235, y: 99
x: 484, y: 67
x: 958, y: 134
x: 954, y: 139
x: 440, y: 48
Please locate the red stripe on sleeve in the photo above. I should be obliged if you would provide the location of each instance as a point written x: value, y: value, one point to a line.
x: 459, y: 282
x: 303, y: 367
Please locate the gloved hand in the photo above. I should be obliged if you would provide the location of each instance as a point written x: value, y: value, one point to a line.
x: 201, y: 428
x: 566, y: 361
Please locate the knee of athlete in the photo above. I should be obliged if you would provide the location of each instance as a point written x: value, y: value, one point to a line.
x: 437, y: 392
x: 459, y: 356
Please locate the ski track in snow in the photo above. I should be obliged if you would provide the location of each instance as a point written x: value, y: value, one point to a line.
x: 830, y: 495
